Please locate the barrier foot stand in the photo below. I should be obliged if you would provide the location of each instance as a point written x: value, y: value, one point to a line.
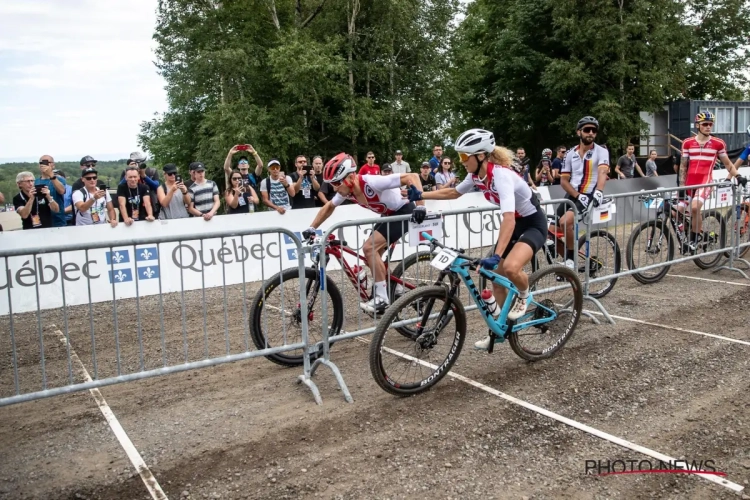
x: 730, y: 267
x: 601, y: 309
x: 305, y: 379
x: 336, y: 373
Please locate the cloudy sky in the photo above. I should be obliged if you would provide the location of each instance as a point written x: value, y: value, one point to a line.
x: 76, y: 77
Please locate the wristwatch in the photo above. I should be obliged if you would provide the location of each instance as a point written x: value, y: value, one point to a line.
x: 53, y: 178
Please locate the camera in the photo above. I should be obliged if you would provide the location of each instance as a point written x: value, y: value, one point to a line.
x: 307, y: 169
x: 39, y: 188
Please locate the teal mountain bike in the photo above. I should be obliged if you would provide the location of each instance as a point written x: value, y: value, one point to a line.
x: 405, y: 364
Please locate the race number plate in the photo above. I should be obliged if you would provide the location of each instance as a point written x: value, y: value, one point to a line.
x: 443, y: 259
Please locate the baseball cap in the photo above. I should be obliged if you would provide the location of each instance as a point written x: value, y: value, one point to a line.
x: 137, y: 157
x: 386, y: 168
x: 398, y: 152
x: 425, y: 164
x: 169, y: 168
x: 87, y: 159
x: 273, y: 162
x: 197, y: 166
x: 88, y: 170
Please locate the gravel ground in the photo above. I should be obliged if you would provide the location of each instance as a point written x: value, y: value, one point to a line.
x: 247, y: 430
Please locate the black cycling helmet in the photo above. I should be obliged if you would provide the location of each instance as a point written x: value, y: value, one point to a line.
x: 587, y: 120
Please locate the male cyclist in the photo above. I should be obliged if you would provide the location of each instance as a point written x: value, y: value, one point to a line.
x: 584, y: 173
x: 382, y: 195
x: 699, y: 154
x: 524, y: 224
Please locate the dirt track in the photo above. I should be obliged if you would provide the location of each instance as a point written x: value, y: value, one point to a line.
x: 247, y: 430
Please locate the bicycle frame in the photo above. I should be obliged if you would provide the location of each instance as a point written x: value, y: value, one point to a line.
x: 337, y: 249
x: 501, y: 325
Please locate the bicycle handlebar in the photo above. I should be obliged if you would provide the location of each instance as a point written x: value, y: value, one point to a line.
x: 470, y: 262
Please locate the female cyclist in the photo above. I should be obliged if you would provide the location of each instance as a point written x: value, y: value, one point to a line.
x: 382, y: 195
x: 524, y: 225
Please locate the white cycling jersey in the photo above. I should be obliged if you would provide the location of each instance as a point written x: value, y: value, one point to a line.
x: 382, y: 192
x: 505, y: 188
x: 584, y: 172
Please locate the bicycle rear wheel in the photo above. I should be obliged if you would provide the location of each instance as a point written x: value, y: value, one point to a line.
x: 555, y: 289
x: 604, y: 260
x: 714, y: 238
x: 404, y: 366
x: 650, y: 243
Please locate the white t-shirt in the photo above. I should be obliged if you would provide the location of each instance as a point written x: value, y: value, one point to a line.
x: 382, y: 192
x: 97, y: 214
x: 505, y: 188
x: 278, y: 195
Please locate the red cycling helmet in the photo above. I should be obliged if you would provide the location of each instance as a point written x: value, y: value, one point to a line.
x: 339, y: 167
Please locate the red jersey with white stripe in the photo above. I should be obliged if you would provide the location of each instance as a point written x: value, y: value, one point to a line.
x: 504, y: 188
x: 701, y: 159
x: 382, y: 192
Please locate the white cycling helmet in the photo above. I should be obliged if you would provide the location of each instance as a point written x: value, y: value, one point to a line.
x: 475, y: 141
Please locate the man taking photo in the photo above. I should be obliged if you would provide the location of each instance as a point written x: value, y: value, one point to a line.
x: 92, y: 203
x: 34, y: 203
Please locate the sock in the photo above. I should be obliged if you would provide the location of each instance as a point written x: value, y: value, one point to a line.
x: 693, y: 237
x: 380, y: 290
x: 524, y: 294
x: 569, y: 255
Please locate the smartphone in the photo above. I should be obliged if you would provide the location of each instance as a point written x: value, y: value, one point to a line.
x: 38, y: 188
x: 178, y: 178
x: 241, y: 147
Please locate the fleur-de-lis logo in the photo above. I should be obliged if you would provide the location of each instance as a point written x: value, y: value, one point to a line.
x: 294, y: 253
x: 120, y: 276
x: 148, y: 272
x: 146, y: 254
x: 117, y: 257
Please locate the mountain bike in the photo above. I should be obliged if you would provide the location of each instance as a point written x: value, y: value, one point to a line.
x: 601, y: 249
x: 278, y: 297
x: 655, y: 239
x: 434, y: 347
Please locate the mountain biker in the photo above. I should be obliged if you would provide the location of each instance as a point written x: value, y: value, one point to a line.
x: 584, y: 173
x: 382, y: 195
x: 524, y: 225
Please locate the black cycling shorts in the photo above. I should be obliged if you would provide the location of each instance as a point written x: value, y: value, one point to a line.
x: 563, y: 208
x: 531, y: 230
x: 393, y: 231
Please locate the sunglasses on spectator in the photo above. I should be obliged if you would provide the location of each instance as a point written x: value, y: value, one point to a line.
x: 90, y: 178
x: 589, y: 130
x: 91, y: 165
x: 446, y: 163
x: 274, y: 167
x: 370, y: 157
x: 170, y: 173
x: 236, y: 178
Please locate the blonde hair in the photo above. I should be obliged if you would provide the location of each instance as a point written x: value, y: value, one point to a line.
x: 501, y: 156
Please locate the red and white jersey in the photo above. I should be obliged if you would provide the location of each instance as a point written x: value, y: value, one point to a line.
x: 505, y: 188
x: 701, y: 159
x: 382, y: 192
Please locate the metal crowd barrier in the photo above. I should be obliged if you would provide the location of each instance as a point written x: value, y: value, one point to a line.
x: 136, y: 309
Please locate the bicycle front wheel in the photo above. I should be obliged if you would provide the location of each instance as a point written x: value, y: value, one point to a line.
x: 650, y: 243
x: 558, y: 295
x: 714, y: 238
x: 405, y: 366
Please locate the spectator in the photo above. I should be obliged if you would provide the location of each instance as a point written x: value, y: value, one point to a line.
x: 306, y: 185
x: 92, y: 200
x: 386, y: 170
x: 544, y: 172
x: 240, y: 197
x: 523, y: 166
x: 445, y: 178
x: 173, y: 205
x: 134, y: 198
x: 400, y: 166
x: 67, y: 198
x: 627, y: 164
x: 437, y: 154
x: 86, y: 162
x: 277, y: 189
x: 204, y: 194
x: 651, y: 164
x: 34, y: 207
x: 325, y: 193
x: 426, y: 178
x: 370, y: 168
x: 557, y: 164
x: 190, y: 181
x: 137, y: 159
x: 56, y: 186
x: 244, y: 165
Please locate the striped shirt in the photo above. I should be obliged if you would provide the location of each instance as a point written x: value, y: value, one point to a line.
x: 701, y: 159
x: 202, y: 195
x: 584, y: 172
